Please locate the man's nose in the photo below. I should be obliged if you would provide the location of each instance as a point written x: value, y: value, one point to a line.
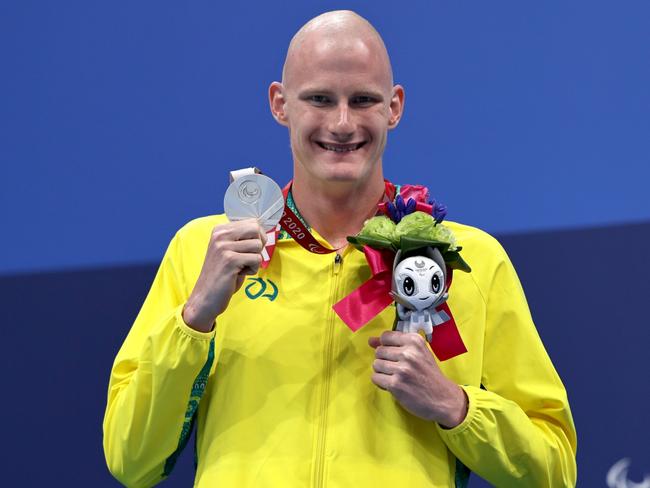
x: 341, y: 123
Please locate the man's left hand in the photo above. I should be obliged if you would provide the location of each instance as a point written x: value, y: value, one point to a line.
x: 405, y: 366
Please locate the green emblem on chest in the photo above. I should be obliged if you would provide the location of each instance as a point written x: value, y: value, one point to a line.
x: 259, y: 287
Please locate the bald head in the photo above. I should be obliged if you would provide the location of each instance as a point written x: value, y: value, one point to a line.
x: 337, y: 32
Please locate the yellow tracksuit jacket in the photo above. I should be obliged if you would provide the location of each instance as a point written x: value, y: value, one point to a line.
x: 281, y: 391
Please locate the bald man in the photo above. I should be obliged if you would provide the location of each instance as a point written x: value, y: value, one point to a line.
x: 283, y: 394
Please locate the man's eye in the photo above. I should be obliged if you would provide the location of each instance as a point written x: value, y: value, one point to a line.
x: 319, y: 99
x: 363, y: 101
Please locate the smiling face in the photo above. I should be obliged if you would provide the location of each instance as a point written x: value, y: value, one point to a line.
x: 337, y: 101
x: 419, y: 281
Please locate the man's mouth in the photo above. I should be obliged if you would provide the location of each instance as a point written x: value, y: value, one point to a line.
x: 341, y: 148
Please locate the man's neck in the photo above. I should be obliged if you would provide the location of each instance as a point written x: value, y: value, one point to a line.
x: 337, y: 210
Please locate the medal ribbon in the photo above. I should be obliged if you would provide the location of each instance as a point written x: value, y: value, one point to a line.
x: 292, y: 224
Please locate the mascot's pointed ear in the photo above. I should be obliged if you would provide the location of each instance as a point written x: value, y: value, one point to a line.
x: 449, y: 272
x: 398, y: 258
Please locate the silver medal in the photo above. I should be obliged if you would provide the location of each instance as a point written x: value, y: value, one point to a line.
x: 254, y: 196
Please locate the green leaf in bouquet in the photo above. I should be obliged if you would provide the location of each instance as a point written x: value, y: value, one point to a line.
x: 374, y: 242
x: 408, y: 244
x: 455, y: 261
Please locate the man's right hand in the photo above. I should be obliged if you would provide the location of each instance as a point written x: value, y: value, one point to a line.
x: 234, y: 251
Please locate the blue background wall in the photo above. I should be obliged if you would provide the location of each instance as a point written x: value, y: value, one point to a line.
x: 119, y: 123
x: 121, y: 120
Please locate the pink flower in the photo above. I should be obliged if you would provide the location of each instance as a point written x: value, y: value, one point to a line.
x: 418, y: 193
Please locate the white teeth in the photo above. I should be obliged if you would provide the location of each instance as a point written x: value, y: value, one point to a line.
x: 340, y: 149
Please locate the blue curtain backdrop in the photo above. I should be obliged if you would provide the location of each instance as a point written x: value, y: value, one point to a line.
x: 120, y: 122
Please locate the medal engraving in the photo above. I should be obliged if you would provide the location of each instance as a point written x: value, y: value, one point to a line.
x: 254, y: 196
x: 249, y: 192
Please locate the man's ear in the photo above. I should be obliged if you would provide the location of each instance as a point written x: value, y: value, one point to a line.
x: 277, y: 103
x: 396, y: 106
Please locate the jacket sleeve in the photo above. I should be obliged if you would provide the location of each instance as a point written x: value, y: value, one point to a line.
x: 519, y: 430
x: 156, y: 382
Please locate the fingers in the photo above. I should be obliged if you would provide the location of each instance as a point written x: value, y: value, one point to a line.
x: 397, y: 356
x: 391, y: 345
x: 374, y: 342
x: 253, y: 246
x: 233, y: 262
x: 383, y: 381
x: 240, y: 230
x: 385, y: 367
x: 395, y: 338
x: 237, y: 246
x: 249, y: 263
x: 389, y: 353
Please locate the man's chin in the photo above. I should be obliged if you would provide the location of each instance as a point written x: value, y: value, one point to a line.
x: 344, y: 175
x: 352, y: 169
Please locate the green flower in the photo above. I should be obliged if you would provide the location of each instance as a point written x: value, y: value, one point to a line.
x: 379, y: 227
x: 421, y: 225
x: 416, y: 225
x: 444, y: 234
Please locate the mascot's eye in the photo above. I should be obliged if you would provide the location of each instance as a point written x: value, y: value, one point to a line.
x: 409, y: 286
x: 435, y: 283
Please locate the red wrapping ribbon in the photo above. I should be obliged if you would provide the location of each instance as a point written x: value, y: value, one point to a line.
x: 367, y: 301
x: 446, y: 341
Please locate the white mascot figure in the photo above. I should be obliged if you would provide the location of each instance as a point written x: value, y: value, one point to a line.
x: 419, y: 286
